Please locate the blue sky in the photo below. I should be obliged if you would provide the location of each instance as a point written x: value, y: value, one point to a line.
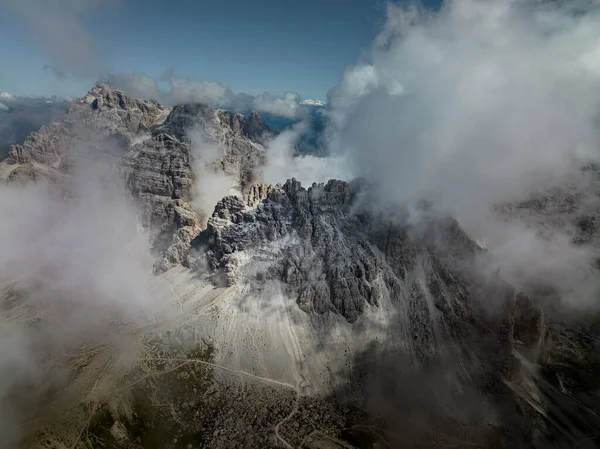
x: 249, y: 46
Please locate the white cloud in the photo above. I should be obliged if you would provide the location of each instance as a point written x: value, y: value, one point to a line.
x: 286, y: 106
x: 182, y: 90
x: 137, y: 85
x: 478, y: 104
x: 211, y: 185
x: 283, y: 163
x: 196, y: 91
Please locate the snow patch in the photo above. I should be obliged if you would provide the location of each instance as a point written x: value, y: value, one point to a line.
x: 311, y: 102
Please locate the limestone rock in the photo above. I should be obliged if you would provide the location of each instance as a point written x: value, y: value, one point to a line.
x: 105, y: 112
x: 332, y: 260
x: 232, y: 132
x: 152, y: 149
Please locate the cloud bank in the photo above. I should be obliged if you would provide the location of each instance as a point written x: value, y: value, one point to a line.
x: 478, y: 104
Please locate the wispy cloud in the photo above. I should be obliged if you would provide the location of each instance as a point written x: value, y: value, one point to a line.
x: 74, y: 259
x: 59, y: 28
x: 284, y: 162
x: 136, y: 84
x: 56, y: 71
x: 212, y: 184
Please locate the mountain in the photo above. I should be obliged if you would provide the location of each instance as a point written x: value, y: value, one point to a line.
x: 143, y: 133
x: 315, y: 102
x: 20, y: 116
x: 298, y: 316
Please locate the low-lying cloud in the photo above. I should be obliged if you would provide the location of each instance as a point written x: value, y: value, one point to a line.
x: 74, y: 264
x: 211, y: 184
x: 284, y: 161
x: 286, y: 106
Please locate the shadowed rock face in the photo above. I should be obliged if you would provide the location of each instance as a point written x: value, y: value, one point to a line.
x: 334, y: 259
x: 337, y: 260
x: 255, y: 128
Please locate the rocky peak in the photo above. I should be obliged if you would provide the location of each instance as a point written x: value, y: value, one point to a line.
x: 154, y: 150
x: 331, y: 259
x: 255, y: 127
x: 234, y: 121
x: 159, y: 171
x: 258, y: 192
x: 184, y: 117
x: 335, y: 259
x: 107, y: 102
x: 103, y: 96
x: 102, y: 113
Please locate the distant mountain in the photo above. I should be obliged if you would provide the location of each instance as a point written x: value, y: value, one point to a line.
x: 310, y: 102
x: 20, y: 116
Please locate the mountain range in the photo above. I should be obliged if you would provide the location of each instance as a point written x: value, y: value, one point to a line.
x: 298, y: 316
x: 20, y: 116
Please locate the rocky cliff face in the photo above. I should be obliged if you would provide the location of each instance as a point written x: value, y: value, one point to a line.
x: 103, y: 113
x: 159, y: 170
x: 151, y: 147
x: 237, y: 135
x: 334, y: 259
